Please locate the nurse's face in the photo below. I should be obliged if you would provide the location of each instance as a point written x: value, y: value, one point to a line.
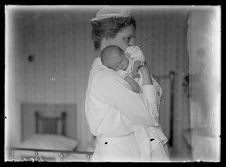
x: 124, y: 38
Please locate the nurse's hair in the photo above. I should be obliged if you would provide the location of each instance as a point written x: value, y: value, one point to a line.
x: 108, y: 28
x: 108, y: 54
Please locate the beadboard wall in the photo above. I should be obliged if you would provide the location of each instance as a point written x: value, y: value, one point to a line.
x: 60, y: 50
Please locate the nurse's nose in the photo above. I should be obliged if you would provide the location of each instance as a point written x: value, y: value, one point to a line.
x: 131, y: 42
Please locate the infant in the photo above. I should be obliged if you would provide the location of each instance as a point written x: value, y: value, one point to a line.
x: 126, y: 64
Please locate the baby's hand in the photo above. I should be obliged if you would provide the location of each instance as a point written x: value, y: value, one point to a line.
x: 134, y: 72
x: 135, y: 75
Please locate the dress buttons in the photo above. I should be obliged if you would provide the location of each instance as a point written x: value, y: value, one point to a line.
x: 106, y: 143
x: 152, y: 139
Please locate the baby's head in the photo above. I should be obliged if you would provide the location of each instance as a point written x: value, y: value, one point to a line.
x: 114, y: 58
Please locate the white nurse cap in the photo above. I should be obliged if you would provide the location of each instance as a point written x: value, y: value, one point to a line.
x: 112, y: 11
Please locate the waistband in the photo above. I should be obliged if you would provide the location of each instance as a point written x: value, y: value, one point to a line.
x: 117, y: 139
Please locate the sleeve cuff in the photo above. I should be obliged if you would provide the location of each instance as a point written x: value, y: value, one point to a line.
x: 151, y: 93
x: 122, y: 73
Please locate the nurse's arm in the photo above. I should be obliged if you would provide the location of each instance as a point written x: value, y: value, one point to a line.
x: 131, y: 104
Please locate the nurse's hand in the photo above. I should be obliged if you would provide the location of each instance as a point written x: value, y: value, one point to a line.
x: 146, y: 75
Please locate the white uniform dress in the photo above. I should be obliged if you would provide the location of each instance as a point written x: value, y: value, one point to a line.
x: 114, y: 112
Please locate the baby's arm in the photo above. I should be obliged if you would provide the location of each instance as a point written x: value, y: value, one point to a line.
x: 134, y: 71
x: 136, y: 55
x: 133, y: 84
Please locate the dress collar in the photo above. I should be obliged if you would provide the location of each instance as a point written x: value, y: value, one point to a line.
x: 98, y: 64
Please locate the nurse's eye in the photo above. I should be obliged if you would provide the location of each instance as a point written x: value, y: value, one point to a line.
x: 128, y: 39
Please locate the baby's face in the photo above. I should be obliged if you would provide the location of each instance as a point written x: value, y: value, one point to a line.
x: 121, y: 62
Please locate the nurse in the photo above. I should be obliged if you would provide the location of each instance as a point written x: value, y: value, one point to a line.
x: 121, y: 120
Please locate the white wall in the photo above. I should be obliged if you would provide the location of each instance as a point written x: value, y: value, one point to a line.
x: 13, y: 85
x: 63, y: 54
x: 204, y: 48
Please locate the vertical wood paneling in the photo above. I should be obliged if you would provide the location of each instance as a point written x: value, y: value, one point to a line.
x: 35, y: 48
x: 41, y: 58
x: 13, y: 80
x: 68, y: 55
x: 79, y: 78
x: 46, y: 51
x: 64, y: 52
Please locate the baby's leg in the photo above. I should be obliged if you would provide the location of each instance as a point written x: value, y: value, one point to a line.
x: 160, y: 153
